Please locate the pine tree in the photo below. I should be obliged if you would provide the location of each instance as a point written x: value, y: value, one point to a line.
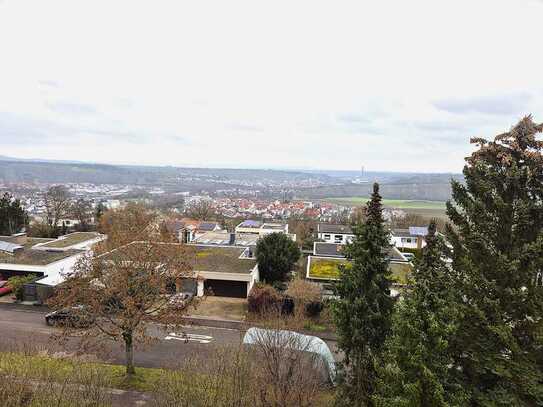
x: 363, y: 311
x: 419, y: 369
x: 99, y: 211
x: 498, y: 245
x: 13, y: 216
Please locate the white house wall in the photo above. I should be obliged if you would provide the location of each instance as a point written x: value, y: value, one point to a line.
x: 331, y: 237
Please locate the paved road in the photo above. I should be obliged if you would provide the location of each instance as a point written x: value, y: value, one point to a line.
x: 21, y: 325
x: 18, y: 326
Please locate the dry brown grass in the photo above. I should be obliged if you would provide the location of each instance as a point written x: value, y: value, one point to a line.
x: 269, y: 374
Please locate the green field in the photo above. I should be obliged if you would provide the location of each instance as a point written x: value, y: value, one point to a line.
x: 391, y: 203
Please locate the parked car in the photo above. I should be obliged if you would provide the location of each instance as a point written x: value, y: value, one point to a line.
x: 5, y: 288
x: 181, y: 300
x: 408, y: 256
x: 74, y: 317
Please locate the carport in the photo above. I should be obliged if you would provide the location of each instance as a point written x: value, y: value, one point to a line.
x: 226, y: 288
x: 224, y: 271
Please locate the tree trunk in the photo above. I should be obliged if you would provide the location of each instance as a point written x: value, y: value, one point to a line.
x: 129, y: 352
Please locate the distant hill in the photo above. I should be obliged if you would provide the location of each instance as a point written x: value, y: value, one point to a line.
x: 73, y: 172
x: 394, y: 185
x: 38, y: 160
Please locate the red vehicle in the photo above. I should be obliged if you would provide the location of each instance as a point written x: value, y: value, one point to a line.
x: 5, y: 288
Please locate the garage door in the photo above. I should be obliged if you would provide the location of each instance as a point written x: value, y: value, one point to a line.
x: 226, y: 288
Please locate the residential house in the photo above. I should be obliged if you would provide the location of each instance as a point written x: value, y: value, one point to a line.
x: 225, y: 238
x: 324, y: 264
x: 261, y: 229
x: 225, y: 271
x: 411, y: 238
x: 49, y: 260
x: 337, y: 234
x: 186, y: 230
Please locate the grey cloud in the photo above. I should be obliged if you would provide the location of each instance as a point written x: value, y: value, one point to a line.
x: 72, y: 108
x: 357, y: 123
x: 185, y: 141
x: 446, y: 128
x: 128, y: 137
x: 246, y: 127
x: 18, y: 129
x: 124, y: 103
x: 504, y: 104
x: 353, y: 118
x: 49, y: 83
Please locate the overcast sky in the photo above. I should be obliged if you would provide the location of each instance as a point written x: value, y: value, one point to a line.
x: 391, y: 85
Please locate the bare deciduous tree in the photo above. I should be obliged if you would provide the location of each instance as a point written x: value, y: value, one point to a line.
x: 57, y: 204
x: 124, y: 285
x: 287, y: 372
x: 273, y: 372
x: 81, y: 210
x: 201, y: 210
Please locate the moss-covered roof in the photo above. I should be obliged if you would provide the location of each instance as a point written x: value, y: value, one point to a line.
x: 33, y: 257
x: 328, y: 269
x: 72, y: 239
x: 221, y: 259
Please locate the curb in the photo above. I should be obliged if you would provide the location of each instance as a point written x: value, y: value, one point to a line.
x: 25, y: 307
x: 244, y: 326
x: 191, y: 320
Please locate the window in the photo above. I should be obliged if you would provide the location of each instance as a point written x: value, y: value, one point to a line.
x: 539, y: 279
x: 338, y: 238
x: 326, y: 237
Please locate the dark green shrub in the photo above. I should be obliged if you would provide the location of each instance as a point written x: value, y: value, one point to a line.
x: 17, y: 284
x: 313, y: 308
x: 276, y: 255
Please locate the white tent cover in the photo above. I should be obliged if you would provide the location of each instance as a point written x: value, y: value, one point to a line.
x: 304, y: 343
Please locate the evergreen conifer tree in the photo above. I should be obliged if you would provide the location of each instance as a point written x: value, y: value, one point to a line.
x: 363, y: 311
x: 418, y: 372
x: 498, y: 256
x: 13, y: 216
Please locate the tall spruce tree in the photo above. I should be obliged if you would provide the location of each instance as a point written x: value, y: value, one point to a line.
x: 419, y: 357
x: 363, y: 311
x: 498, y: 246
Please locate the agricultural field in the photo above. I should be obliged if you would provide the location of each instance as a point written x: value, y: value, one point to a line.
x: 391, y: 203
x: 430, y: 209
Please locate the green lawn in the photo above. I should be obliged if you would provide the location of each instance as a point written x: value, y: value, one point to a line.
x: 392, y: 203
x: 57, y: 376
x: 58, y: 369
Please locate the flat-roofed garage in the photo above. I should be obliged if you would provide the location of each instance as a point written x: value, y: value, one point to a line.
x: 226, y: 288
